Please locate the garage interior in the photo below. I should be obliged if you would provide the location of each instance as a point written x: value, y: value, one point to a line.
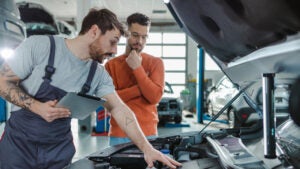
x: 213, y: 94
x: 181, y: 66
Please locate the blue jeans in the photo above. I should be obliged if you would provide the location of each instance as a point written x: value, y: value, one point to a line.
x: 120, y: 140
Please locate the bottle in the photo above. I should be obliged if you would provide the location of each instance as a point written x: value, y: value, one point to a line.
x: 166, y: 152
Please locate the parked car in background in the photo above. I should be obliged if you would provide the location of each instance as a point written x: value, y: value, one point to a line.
x: 219, y: 95
x: 170, y: 106
x: 239, y: 113
x: 12, y: 33
x: 12, y: 29
x: 65, y: 29
x: 281, y: 101
x: 38, y: 20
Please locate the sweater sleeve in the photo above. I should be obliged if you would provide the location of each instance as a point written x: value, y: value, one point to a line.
x: 151, y: 84
x: 129, y: 93
x: 125, y: 94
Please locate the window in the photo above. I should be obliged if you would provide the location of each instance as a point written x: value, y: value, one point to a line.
x: 174, y: 38
x: 175, y: 78
x: 153, y: 50
x: 174, y: 57
x: 174, y: 51
x: 175, y: 64
x: 13, y: 27
x: 154, y: 38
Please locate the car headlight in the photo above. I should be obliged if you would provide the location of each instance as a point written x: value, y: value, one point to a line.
x: 6, y: 53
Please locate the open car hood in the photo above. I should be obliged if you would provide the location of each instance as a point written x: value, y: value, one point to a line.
x: 9, y: 5
x: 38, y: 20
x: 235, y: 32
x: 12, y: 29
x: 33, y: 12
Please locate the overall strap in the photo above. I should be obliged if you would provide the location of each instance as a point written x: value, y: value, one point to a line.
x: 49, y: 69
x: 87, y: 85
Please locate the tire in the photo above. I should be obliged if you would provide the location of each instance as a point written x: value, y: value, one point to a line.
x: 162, y: 122
x: 177, y: 119
x: 233, y: 121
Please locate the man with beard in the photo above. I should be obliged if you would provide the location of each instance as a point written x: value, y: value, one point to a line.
x: 138, y: 78
x: 43, y: 69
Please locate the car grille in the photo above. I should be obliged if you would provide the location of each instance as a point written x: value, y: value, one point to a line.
x: 169, y: 105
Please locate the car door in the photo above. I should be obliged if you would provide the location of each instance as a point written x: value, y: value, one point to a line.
x: 225, y: 91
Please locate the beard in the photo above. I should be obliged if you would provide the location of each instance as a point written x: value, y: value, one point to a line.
x: 136, y: 46
x: 96, y: 53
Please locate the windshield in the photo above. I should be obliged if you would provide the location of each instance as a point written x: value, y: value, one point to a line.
x: 40, y: 29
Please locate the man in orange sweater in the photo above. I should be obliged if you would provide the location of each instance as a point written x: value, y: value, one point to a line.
x: 138, y: 78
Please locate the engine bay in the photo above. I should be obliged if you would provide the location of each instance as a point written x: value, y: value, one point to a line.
x: 225, y: 148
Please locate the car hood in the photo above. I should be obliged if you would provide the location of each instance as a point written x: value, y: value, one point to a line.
x: 12, y: 29
x: 246, y: 38
x: 33, y: 12
x: 9, y: 5
x: 169, y: 96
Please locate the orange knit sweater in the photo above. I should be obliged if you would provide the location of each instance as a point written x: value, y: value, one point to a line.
x: 141, y: 89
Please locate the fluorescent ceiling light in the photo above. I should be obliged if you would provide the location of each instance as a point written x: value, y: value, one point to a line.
x: 166, y: 1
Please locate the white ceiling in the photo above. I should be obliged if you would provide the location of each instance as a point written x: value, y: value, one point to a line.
x: 67, y: 9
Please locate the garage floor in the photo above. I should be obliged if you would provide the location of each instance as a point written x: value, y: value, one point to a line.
x: 86, y: 144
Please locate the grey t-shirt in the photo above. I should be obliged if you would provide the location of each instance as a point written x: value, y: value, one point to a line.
x: 31, y: 57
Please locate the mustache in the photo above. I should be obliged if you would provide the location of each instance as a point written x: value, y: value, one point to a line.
x: 108, y: 54
x: 136, y: 44
x: 134, y: 48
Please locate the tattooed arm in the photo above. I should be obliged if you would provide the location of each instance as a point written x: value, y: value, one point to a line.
x: 11, y: 92
x: 127, y: 121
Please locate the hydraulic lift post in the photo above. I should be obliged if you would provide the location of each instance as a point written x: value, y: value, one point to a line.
x: 200, y: 86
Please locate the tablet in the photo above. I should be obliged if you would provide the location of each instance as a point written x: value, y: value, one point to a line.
x: 80, y: 105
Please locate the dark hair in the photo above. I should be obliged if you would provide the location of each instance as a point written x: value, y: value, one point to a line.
x: 138, y: 18
x: 103, y: 18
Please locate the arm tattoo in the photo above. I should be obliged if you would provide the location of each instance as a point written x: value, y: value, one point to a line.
x: 5, y: 71
x: 11, y: 91
x: 128, y: 121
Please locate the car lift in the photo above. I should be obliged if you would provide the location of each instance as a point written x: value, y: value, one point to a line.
x: 200, y: 91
